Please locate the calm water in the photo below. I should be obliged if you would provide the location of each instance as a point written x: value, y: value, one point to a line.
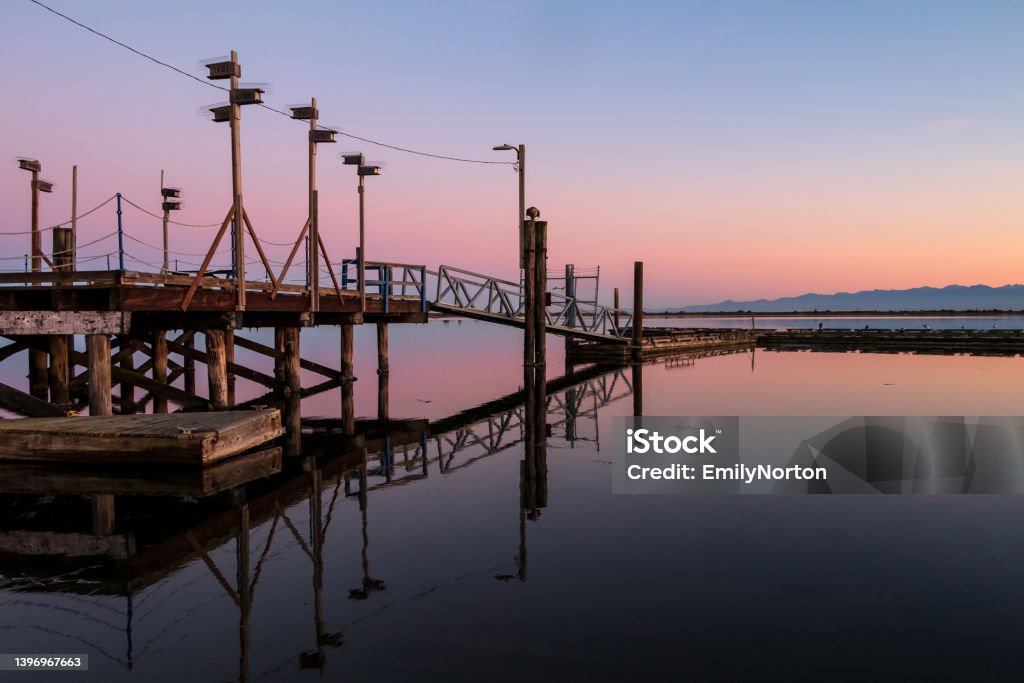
x: 447, y: 577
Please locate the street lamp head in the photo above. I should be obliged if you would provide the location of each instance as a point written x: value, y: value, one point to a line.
x: 29, y: 164
x: 353, y: 158
x: 503, y: 148
x: 369, y: 170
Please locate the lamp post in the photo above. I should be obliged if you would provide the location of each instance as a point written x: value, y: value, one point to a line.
x: 170, y: 201
x: 521, y: 168
x: 362, y: 170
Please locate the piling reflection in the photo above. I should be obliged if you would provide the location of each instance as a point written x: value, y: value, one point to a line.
x: 143, y: 527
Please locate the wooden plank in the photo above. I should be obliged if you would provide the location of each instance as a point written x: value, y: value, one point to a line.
x: 279, y: 355
x: 37, y: 543
x: 239, y: 370
x: 64, y: 322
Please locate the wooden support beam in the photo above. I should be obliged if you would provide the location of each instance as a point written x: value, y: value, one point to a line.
x: 98, y: 349
x: 638, y: 309
x: 190, y: 365
x: 127, y: 362
x: 278, y: 354
x: 64, y: 322
x: 293, y: 391
x: 19, y: 402
x: 383, y: 372
x: 236, y: 369
x: 38, y: 377
x: 229, y: 355
x: 160, y: 369
x: 216, y: 369
x: 103, y: 514
x: 60, y: 393
x: 348, y: 414
x: 11, y: 349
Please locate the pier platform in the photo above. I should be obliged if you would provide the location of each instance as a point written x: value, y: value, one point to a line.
x: 658, y: 342
x: 177, y: 438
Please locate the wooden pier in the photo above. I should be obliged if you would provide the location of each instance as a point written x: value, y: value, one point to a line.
x: 660, y: 342
x: 973, y: 342
x: 181, y: 438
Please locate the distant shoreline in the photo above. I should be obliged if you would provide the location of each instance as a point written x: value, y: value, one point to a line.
x: 837, y: 314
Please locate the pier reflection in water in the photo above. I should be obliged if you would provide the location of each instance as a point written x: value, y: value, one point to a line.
x: 485, y: 543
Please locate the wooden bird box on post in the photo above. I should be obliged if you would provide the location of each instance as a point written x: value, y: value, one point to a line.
x: 247, y: 96
x: 220, y: 71
x: 173, y: 192
x: 321, y: 135
x: 368, y: 170
x: 171, y: 206
x: 29, y: 165
x: 42, y: 185
x: 304, y: 113
x: 221, y: 114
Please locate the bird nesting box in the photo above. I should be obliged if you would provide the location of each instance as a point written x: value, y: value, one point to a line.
x: 42, y: 185
x: 171, y: 206
x: 221, y: 114
x: 305, y: 113
x: 247, y: 96
x: 322, y: 136
x: 354, y: 159
x: 221, y: 70
x: 170, y: 191
x: 29, y: 165
x: 369, y: 170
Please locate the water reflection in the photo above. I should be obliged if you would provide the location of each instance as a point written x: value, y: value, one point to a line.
x: 144, y: 533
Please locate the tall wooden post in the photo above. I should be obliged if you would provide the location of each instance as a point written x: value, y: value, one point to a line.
x: 570, y: 292
x: 529, y: 300
x: 229, y: 356
x: 293, y: 391
x: 74, y: 217
x: 347, y: 377
x: 217, y: 369
x: 236, y: 185
x: 97, y: 347
x: 540, y: 291
x: 638, y: 388
x: 63, y: 261
x: 615, y: 305
x: 313, y: 252
x: 160, y: 369
x: 638, y: 309
x: 383, y: 372
x: 279, y: 356
x: 167, y: 216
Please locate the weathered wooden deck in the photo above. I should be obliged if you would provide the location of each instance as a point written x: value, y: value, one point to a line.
x: 186, y: 438
x: 659, y: 342
x: 974, y: 342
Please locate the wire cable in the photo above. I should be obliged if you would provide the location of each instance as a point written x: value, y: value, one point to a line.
x: 265, y: 106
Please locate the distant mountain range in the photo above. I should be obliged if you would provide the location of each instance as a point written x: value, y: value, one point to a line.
x: 951, y: 298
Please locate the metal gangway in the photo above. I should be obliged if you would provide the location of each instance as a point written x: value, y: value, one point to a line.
x: 482, y: 297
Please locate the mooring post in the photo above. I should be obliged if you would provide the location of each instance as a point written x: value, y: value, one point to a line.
x: 348, y: 415
x: 638, y: 388
x: 529, y: 301
x: 540, y: 292
x: 293, y: 391
x: 383, y: 372
x: 103, y: 514
x: 97, y: 348
x: 615, y: 314
x: 217, y: 369
x: 229, y: 356
x: 638, y: 309
x: 160, y: 369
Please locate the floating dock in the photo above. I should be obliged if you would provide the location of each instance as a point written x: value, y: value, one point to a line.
x: 178, y: 438
x: 974, y: 342
x: 658, y: 342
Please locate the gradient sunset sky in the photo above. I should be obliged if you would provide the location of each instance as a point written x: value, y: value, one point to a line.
x: 742, y: 150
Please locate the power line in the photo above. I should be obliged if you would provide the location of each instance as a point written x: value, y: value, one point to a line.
x: 265, y: 106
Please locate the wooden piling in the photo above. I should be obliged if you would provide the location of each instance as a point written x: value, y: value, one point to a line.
x: 98, y: 349
x: 347, y: 376
x: 160, y: 369
x: 103, y: 514
x: 63, y: 260
x: 127, y: 388
x: 638, y: 389
x: 383, y: 372
x: 638, y: 308
x: 540, y: 291
x: 529, y: 300
x: 217, y: 369
x: 615, y: 305
x: 279, y: 357
x: 229, y: 355
x: 190, y: 367
x: 292, y: 391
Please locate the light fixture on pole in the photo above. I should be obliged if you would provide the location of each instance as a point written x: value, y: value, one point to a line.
x: 362, y: 170
x: 521, y: 169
